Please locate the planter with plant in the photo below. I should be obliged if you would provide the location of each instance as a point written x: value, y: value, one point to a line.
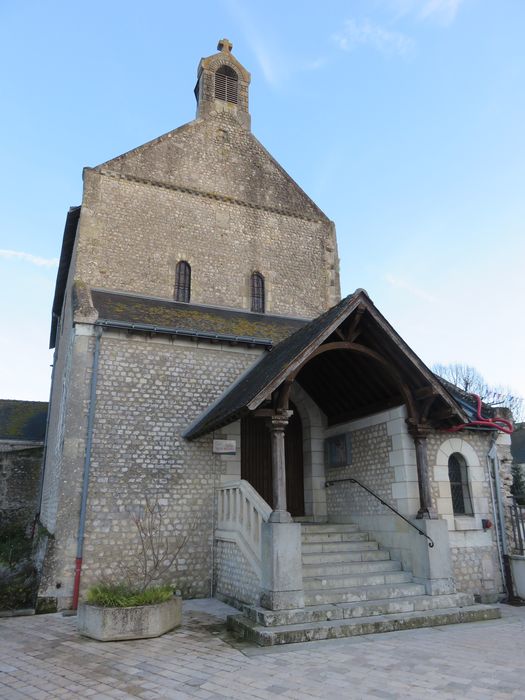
x: 138, y: 606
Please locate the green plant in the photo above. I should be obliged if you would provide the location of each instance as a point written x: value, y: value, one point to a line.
x: 121, y: 596
x: 15, y: 546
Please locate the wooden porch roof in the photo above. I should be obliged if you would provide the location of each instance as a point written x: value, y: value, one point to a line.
x: 352, y: 363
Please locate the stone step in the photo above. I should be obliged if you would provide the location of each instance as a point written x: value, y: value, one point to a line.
x: 245, y: 628
x: 351, y: 567
x: 322, y: 537
x: 308, y: 528
x: 378, y: 578
x: 316, y: 547
x: 409, y: 604
x: 338, y: 611
x: 344, y: 556
x: 361, y: 546
x: 322, y: 596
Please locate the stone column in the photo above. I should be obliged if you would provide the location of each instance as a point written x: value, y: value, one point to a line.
x: 278, y: 423
x: 282, y: 571
x: 419, y: 435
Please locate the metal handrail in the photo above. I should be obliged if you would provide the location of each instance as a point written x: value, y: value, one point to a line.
x: 355, y: 481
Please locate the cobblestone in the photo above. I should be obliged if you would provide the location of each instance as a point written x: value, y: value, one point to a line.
x: 43, y: 657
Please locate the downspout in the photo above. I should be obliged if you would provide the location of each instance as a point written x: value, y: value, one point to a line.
x: 496, y: 511
x: 507, y: 574
x: 87, y: 464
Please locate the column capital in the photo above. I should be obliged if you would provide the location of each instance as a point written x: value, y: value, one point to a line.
x: 418, y: 431
x: 279, y: 420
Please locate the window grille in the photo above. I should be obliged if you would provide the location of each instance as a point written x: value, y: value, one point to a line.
x: 459, y: 486
x: 182, y: 281
x: 257, y: 293
x: 226, y: 84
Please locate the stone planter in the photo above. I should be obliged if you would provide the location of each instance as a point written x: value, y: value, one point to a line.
x: 142, y: 622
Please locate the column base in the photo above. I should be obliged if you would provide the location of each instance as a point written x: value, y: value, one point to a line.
x: 282, y: 600
x: 280, y: 516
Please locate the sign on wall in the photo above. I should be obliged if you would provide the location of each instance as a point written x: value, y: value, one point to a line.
x: 338, y: 450
x: 224, y: 447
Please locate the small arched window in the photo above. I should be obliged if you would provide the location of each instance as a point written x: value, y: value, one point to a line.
x: 459, y: 486
x: 182, y: 281
x: 257, y: 292
x: 226, y: 84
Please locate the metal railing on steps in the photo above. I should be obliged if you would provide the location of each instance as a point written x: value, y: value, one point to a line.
x: 355, y: 481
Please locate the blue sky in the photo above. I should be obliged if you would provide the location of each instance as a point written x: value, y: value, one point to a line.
x: 402, y: 119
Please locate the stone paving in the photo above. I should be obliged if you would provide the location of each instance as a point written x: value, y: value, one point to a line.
x: 43, y: 657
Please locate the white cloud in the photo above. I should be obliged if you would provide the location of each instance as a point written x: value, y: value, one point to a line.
x: 365, y: 33
x: 401, y: 283
x: 442, y: 11
x: 27, y: 257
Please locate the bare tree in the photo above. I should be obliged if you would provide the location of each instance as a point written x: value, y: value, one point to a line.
x: 470, y: 380
x: 156, y: 552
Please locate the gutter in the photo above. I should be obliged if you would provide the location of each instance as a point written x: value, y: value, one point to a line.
x: 87, y: 466
x: 186, y: 333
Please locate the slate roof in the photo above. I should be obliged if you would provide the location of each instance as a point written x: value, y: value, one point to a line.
x: 68, y: 242
x: 251, y: 388
x: 192, y: 319
x: 23, y: 420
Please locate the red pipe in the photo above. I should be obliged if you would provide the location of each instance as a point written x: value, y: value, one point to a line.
x: 76, y: 585
x: 502, y: 424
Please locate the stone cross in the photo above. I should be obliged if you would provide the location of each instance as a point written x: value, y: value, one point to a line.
x: 225, y: 45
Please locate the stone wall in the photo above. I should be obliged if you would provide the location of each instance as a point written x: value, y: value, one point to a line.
x: 148, y: 392
x: 370, y: 465
x: 235, y: 578
x: 133, y: 234
x: 20, y: 470
x: 210, y: 194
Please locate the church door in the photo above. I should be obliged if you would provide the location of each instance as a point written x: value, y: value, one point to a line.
x: 256, y: 460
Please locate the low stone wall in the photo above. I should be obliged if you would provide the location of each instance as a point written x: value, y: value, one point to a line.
x: 20, y: 469
x: 235, y: 579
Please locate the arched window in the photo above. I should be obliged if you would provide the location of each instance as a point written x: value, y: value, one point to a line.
x: 182, y: 281
x: 257, y: 292
x: 458, y: 476
x: 226, y: 83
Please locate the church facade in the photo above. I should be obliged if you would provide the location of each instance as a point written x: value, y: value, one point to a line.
x: 204, y: 360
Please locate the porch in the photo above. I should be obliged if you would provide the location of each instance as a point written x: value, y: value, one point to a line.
x: 326, y: 519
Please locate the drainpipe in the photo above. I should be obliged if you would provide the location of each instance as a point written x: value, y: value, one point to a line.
x: 87, y: 464
x: 493, y: 457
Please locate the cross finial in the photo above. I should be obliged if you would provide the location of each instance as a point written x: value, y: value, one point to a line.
x: 225, y: 45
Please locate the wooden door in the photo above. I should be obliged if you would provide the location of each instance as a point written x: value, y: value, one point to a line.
x: 256, y: 460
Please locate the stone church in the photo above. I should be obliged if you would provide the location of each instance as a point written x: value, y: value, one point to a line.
x: 324, y: 478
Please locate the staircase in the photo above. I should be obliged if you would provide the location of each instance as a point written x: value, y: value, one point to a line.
x: 351, y: 587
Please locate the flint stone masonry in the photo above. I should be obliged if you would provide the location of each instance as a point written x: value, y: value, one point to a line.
x: 148, y: 392
x: 370, y: 465
x: 235, y: 578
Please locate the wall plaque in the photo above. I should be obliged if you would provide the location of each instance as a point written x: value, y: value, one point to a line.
x: 338, y: 450
x: 224, y: 447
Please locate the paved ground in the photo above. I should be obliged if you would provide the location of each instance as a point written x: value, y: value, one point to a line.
x: 43, y: 657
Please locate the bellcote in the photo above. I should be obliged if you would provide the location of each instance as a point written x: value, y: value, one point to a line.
x: 222, y: 85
